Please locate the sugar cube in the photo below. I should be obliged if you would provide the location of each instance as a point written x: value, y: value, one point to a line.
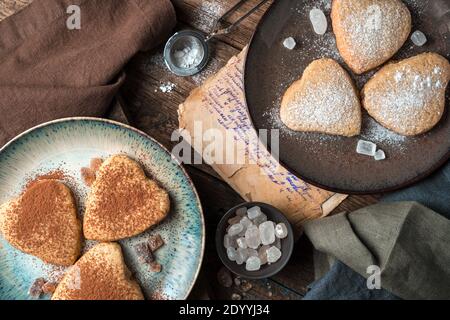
x: 289, y: 43
x: 253, y: 212
x: 267, y: 232
x: 273, y: 254
x: 253, y: 264
x: 281, y: 231
x: 252, y: 237
x: 418, y: 38
x: 235, y: 229
x: 379, y: 155
x: 366, y: 148
x: 318, y: 21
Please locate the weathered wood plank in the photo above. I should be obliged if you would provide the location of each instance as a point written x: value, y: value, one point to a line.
x: 201, y: 14
x: 9, y: 7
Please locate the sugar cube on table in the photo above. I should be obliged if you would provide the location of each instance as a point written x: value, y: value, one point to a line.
x: 252, y: 237
x: 253, y: 212
x: 253, y: 264
x: 418, y: 38
x: 366, y: 148
x: 289, y: 43
x: 379, y: 155
x: 273, y: 254
x: 235, y: 229
x: 318, y: 21
x: 281, y: 231
x: 267, y: 232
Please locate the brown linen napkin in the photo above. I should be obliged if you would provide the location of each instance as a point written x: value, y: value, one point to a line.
x: 48, y: 71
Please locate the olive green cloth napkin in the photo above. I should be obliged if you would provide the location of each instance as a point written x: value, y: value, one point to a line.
x: 409, y: 242
x: 48, y: 71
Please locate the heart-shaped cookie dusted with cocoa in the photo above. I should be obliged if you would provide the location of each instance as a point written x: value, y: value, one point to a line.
x: 323, y: 100
x: 408, y: 97
x: 123, y: 202
x: 369, y: 32
x: 43, y: 222
x: 100, y: 274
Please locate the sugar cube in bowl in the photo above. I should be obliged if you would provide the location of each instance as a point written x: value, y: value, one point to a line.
x: 269, y: 236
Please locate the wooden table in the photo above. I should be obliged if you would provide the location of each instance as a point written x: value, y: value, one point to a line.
x: 155, y: 112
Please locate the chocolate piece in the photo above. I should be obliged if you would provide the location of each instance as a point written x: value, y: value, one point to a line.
x: 95, y: 164
x: 88, y: 176
x: 155, y: 267
x: 49, y: 288
x: 35, y: 290
x: 144, y: 253
x: 155, y: 242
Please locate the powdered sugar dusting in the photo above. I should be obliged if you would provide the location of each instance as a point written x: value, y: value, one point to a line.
x: 375, y: 132
x: 402, y: 98
x: 416, y: 6
x: 327, y: 103
x: 206, y: 14
x: 324, y: 46
x: 167, y: 87
x: 324, y: 5
x: 372, y: 32
x: 213, y: 66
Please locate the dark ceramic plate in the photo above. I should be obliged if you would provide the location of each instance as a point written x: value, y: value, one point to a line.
x: 327, y: 161
x: 287, y: 244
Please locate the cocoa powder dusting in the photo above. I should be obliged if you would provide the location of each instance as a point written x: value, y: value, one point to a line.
x: 100, y: 277
x: 123, y: 202
x: 49, y: 288
x: 95, y: 164
x: 126, y: 199
x: 117, y: 199
x: 88, y: 176
x: 52, y: 175
x: 35, y: 204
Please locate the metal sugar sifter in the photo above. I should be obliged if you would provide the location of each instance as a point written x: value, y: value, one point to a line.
x: 187, y: 52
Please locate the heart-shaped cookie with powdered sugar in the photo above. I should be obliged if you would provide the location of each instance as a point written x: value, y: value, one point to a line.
x: 323, y: 100
x: 43, y: 222
x: 408, y: 97
x: 369, y: 32
x: 100, y: 274
x: 123, y: 202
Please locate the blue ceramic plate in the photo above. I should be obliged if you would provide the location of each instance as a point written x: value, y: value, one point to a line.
x: 68, y: 145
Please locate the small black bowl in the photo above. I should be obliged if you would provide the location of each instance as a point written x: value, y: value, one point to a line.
x: 287, y: 244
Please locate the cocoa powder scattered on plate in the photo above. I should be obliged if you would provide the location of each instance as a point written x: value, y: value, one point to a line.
x: 52, y: 175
